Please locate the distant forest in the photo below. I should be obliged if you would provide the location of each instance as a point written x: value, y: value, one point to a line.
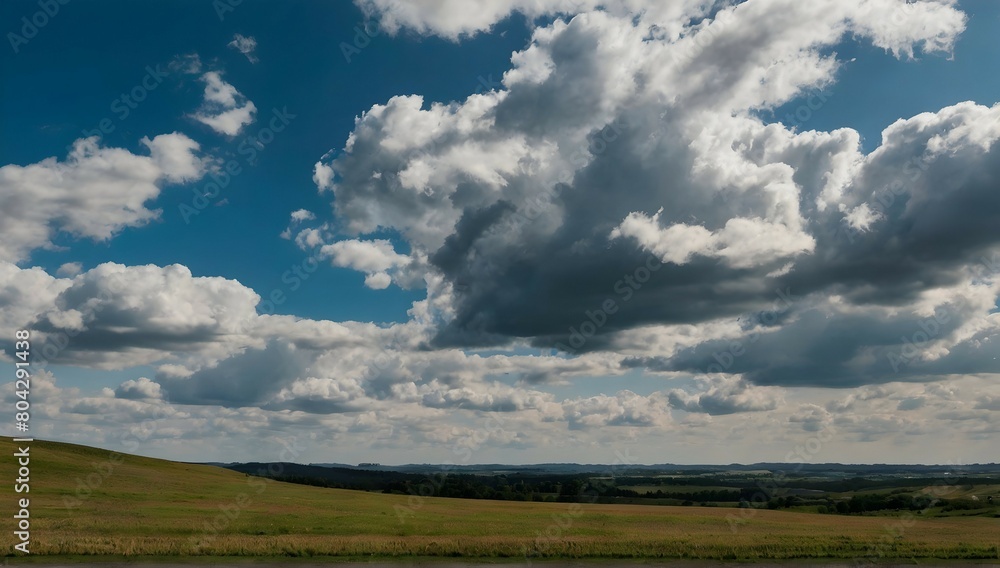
x: 742, y: 491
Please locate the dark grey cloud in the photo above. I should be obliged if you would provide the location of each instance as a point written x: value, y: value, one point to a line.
x: 247, y: 379
x: 116, y: 316
x: 828, y: 349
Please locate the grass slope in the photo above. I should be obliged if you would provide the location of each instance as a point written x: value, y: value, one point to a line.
x: 86, y: 501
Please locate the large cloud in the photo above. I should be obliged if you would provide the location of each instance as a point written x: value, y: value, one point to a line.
x: 891, y: 24
x: 115, y: 316
x: 621, y: 180
x: 95, y: 193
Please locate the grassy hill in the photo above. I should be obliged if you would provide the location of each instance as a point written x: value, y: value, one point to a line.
x: 86, y: 501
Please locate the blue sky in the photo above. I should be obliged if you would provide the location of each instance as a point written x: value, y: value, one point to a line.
x: 875, y: 89
x: 465, y: 237
x: 90, y: 55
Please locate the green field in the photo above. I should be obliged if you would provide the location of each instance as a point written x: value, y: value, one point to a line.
x: 86, y: 501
